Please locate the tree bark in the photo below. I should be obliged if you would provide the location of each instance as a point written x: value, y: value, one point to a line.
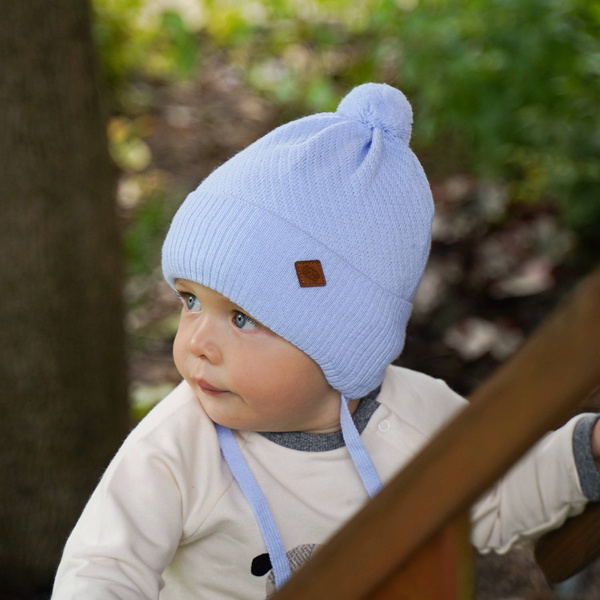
x: 63, y: 408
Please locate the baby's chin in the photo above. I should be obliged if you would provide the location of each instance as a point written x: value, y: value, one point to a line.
x: 257, y: 425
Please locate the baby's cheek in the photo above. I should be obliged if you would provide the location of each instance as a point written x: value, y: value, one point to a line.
x: 179, y: 352
x: 256, y: 383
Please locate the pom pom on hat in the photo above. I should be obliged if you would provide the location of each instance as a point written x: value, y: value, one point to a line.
x: 379, y: 105
x: 340, y: 192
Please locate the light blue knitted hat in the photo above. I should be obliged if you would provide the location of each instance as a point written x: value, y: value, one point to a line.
x: 321, y: 231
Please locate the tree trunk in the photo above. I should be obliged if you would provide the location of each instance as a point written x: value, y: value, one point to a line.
x: 63, y: 405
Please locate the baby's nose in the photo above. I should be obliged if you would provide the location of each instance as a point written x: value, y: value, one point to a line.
x: 204, y: 342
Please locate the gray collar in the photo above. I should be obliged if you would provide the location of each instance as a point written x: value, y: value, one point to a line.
x: 322, y: 442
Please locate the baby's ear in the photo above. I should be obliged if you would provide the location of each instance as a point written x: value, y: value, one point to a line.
x: 261, y: 565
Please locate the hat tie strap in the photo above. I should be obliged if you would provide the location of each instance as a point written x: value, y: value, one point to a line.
x: 247, y: 482
x: 250, y: 488
x: 358, y: 451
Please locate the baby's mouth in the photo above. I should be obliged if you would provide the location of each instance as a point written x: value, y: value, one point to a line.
x: 206, y: 388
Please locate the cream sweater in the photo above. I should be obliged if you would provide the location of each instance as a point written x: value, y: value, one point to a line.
x: 168, y: 521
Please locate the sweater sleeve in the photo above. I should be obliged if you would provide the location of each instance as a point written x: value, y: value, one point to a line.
x: 134, y: 521
x: 126, y: 535
x: 589, y: 477
x: 538, y: 494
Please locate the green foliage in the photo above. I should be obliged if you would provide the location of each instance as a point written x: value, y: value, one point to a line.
x: 518, y: 79
x: 126, y: 145
x: 134, y: 41
x: 143, y: 237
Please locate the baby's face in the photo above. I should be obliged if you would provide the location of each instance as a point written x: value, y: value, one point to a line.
x: 245, y: 375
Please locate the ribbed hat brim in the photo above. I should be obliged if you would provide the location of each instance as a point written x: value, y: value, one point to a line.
x: 213, y: 241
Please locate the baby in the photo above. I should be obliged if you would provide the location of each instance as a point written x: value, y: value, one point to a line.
x: 296, y: 262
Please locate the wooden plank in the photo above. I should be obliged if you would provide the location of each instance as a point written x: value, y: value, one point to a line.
x: 562, y: 553
x: 530, y: 394
x: 443, y: 569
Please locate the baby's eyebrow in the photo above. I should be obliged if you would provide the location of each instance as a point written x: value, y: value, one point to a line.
x: 181, y: 283
x: 239, y: 309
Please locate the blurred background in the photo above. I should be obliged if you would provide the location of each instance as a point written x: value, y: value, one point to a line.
x: 134, y: 102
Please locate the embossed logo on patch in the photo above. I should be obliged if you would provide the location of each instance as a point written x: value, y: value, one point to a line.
x: 310, y: 273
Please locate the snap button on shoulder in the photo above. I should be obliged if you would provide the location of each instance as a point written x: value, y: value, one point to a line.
x: 384, y: 426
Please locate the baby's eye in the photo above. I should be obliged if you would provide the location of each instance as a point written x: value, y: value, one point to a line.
x: 244, y: 322
x: 191, y: 302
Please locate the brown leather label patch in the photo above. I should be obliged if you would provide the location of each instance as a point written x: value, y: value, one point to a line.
x: 310, y: 273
